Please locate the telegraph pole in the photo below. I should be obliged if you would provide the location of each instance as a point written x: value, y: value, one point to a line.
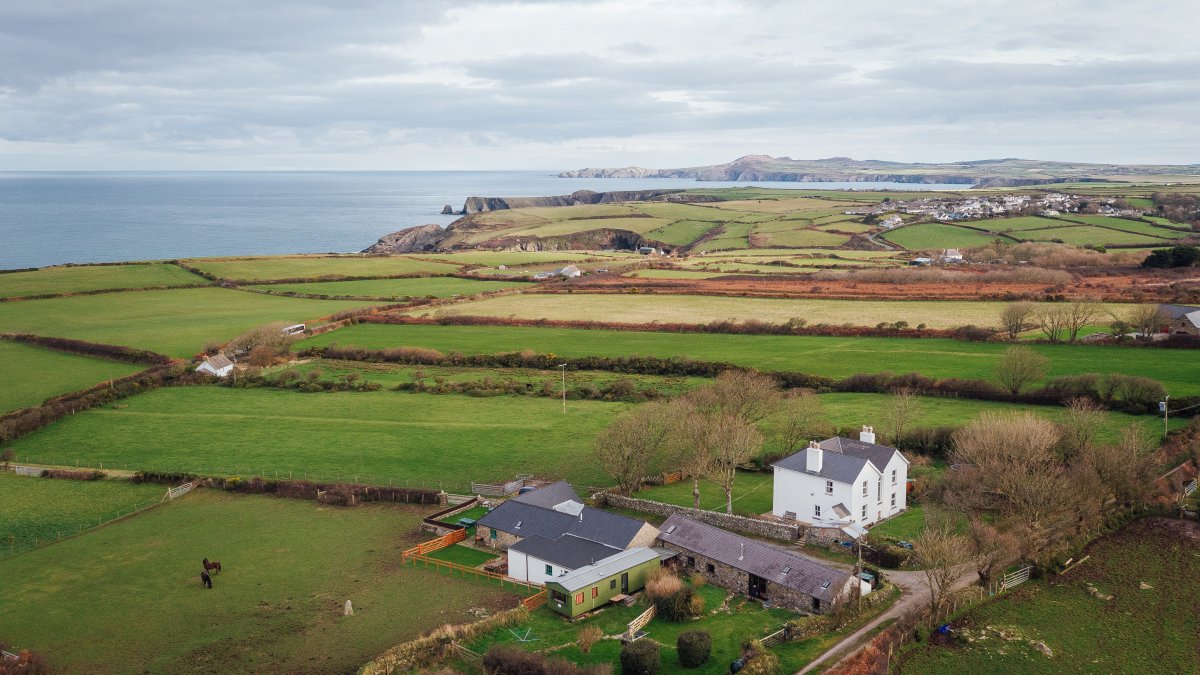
x: 1165, y: 408
x: 564, y: 386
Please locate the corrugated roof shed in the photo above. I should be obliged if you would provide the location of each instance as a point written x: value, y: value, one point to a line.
x: 750, y: 555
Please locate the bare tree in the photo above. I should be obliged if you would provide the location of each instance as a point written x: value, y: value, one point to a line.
x: 1019, y: 366
x: 903, y: 407
x: 802, y: 417
x: 942, y: 553
x: 632, y: 444
x: 992, y: 548
x: 1015, y: 317
x: 1122, y: 469
x: 1081, y: 421
x: 1079, y: 314
x: 268, y: 338
x: 1145, y: 320
x: 688, y: 447
x: 745, y: 395
x: 731, y: 442
x: 1052, y: 321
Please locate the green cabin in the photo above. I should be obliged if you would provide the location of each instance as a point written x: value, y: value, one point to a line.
x: 595, y: 585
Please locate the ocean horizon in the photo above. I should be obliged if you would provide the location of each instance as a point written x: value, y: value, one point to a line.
x: 60, y: 217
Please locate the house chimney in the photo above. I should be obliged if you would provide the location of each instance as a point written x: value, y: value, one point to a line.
x: 867, y: 435
x: 814, y: 457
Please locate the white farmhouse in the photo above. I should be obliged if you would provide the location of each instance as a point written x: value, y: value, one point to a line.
x: 840, y: 481
x: 218, y: 365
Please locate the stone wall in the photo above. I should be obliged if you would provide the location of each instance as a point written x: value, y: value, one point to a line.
x: 788, y: 532
x: 738, y: 581
x: 824, y: 536
x: 483, y: 537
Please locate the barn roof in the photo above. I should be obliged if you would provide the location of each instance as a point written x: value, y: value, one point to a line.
x: 603, y: 569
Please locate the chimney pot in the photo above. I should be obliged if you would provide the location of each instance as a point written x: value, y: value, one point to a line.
x: 867, y: 435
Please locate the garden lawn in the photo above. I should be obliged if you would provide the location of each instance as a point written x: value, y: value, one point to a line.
x: 174, y: 322
x: 1149, y: 624
x: 378, y: 437
x: 54, y: 280
x: 30, y: 375
x: 312, y: 266
x: 835, y: 357
x: 421, y: 287
x: 127, y: 597
x: 904, y: 527
x: 938, y: 235
x: 34, y: 510
x: 463, y: 555
x: 697, y: 309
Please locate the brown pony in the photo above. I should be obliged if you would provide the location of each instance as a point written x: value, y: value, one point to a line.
x: 214, y: 565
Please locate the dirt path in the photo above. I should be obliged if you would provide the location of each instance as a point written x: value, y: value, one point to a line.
x: 915, y: 592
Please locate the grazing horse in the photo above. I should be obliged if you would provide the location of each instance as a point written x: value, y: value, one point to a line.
x: 205, y: 580
x: 214, y: 565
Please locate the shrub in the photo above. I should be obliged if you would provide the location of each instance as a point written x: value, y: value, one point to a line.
x: 640, y: 658
x: 509, y: 660
x: 679, y: 605
x: 74, y: 475
x: 694, y: 646
x: 589, y: 636
x: 662, y: 583
x: 760, y: 660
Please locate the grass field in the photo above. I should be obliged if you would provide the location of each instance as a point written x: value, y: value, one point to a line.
x: 1140, y: 618
x: 34, y: 510
x: 831, y: 356
x: 296, y: 267
x: 1088, y: 234
x: 1016, y: 224
x: 682, y: 232
x: 127, y: 597
x: 30, y: 375
x: 174, y: 322
x: 51, y: 280
x: 703, y: 309
x: 938, y: 235
x: 421, y: 287
x: 517, y: 258
x: 376, y: 437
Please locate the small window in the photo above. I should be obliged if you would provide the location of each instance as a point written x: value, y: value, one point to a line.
x: 579, y: 598
x: 493, y: 533
x: 893, y: 476
x: 612, y: 583
x: 864, y: 512
x: 549, y: 570
x: 893, y: 500
x: 595, y: 591
x: 691, y: 561
x: 816, y: 510
x: 828, y: 487
x: 879, y: 492
x: 865, y: 488
x: 710, y: 568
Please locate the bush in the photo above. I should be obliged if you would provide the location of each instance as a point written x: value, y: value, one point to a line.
x: 680, y: 605
x: 760, y: 660
x: 662, y: 583
x: 640, y: 658
x: 694, y: 646
x: 588, y: 637
x: 509, y: 660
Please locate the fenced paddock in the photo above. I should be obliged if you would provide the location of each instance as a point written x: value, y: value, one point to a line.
x: 179, y: 491
x: 418, y: 555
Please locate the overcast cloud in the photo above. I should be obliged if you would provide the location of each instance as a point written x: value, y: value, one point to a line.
x: 421, y: 84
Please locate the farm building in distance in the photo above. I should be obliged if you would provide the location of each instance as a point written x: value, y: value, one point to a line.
x: 218, y: 366
x: 596, y: 585
x: 841, y: 482
x: 758, y: 570
x: 1185, y: 319
x: 549, y: 533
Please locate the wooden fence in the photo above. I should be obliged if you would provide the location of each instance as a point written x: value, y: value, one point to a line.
x: 639, y: 623
x: 536, y: 600
x: 774, y: 638
x: 434, y: 544
x: 417, y: 555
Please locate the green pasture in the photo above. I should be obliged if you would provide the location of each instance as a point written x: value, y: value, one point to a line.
x: 313, y: 267
x: 1130, y: 608
x: 518, y: 258
x: 127, y: 597
x: 734, y: 236
x: 30, y: 375
x: 175, y: 322
x: 830, y: 356
x: 419, y: 287
x: 1016, y: 224
x: 55, y: 280
x: 36, y: 510
x: 695, y: 309
x: 938, y: 235
x: 379, y: 437
x: 798, y: 236
x: 682, y: 232
x: 1080, y: 235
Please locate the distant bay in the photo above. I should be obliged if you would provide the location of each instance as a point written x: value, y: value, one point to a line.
x: 59, y: 217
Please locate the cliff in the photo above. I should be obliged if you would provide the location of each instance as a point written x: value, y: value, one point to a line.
x: 481, y: 204
x: 411, y: 240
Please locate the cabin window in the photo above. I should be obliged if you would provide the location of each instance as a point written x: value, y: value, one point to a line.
x: 557, y: 596
x: 893, y: 500
x: 817, y: 510
x: 828, y: 487
x: 691, y: 561
x: 710, y: 568
x: 579, y: 598
x: 549, y: 570
x: 595, y: 591
x: 865, y: 488
x: 612, y: 583
x: 893, y: 476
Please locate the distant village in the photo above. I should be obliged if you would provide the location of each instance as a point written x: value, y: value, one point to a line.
x: 888, y: 213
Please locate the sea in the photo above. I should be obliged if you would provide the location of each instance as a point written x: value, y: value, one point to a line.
x: 51, y: 218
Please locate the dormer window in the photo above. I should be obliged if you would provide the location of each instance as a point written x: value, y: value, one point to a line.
x: 828, y: 487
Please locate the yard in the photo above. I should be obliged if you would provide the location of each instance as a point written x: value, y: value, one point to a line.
x: 695, y: 309
x: 36, y: 510
x: 380, y: 437
x: 32, y: 374
x: 1129, y: 609
x: 127, y: 597
x: 831, y: 356
x: 173, y: 322
x: 54, y: 280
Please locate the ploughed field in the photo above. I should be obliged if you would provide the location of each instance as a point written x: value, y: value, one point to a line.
x: 829, y: 356
x: 30, y: 375
x: 127, y: 597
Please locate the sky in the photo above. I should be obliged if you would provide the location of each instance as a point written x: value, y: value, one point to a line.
x: 435, y: 85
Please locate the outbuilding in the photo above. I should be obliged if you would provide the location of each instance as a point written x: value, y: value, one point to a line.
x: 595, y: 585
x: 218, y: 366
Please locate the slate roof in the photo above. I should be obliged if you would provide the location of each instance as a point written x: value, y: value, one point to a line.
x: 1178, y: 311
x: 595, y: 525
x: 550, y: 495
x: 803, y: 574
x: 603, y: 569
x: 218, y: 362
x: 835, y: 466
x: 879, y: 455
x: 566, y: 551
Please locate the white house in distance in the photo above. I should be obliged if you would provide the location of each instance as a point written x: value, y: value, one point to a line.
x: 218, y: 365
x: 841, y: 481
